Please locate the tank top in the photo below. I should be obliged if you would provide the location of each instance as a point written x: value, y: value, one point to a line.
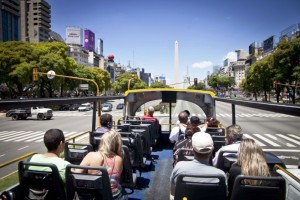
x: 114, y: 174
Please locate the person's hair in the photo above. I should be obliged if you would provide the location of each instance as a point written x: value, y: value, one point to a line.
x: 252, y: 161
x: 234, y: 132
x: 190, y: 130
x: 183, y: 117
x: 111, y: 143
x: 187, y: 112
x: 212, y: 122
x: 194, y: 120
x: 52, y: 138
x: 151, y: 110
x: 106, y: 120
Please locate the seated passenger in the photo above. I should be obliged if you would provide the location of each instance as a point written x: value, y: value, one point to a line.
x: 106, y: 122
x: 110, y: 156
x: 150, y: 116
x: 188, y: 113
x: 202, y: 147
x: 195, y: 121
x: 212, y: 122
x: 180, y: 129
x: 186, y: 143
x: 234, y: 136
x: 54, y: 141
x: 250, y: 162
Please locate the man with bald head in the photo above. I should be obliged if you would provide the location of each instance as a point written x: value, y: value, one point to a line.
x: 180, y: 129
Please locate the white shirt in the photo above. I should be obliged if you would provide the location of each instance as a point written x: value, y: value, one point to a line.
x: 231, y: 147
x: 175, y: 133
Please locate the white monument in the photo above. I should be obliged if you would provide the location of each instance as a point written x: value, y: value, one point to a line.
x: 176, y: 65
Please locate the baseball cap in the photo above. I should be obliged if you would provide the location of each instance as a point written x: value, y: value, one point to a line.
x: 202, y: 143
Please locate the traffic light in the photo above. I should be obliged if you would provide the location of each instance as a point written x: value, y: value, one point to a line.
x: 35, y: 75
x: 195, y: 81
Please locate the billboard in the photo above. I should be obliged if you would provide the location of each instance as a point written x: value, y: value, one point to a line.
x: 74, y: 35
x: 268, y: 44
x: 89, y: 40
x: 253, y: 48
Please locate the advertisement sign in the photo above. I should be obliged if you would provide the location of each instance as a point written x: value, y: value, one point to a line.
x: 89, y: 40
x: 74, y: 35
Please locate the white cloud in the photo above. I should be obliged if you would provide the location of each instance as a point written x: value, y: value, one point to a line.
x: 232, y: 56
x: 202, y: 64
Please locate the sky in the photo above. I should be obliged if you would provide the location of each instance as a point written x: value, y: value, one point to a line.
x: 143, y: 32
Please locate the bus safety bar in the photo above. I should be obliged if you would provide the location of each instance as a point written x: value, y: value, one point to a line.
x: 287, y: 172
x: 32, y: 153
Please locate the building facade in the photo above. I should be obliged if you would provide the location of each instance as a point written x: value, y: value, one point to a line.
x: 35, y: 20
x: 9, y: 20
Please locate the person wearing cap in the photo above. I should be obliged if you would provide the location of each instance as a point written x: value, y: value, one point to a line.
x: 180, y: 129
x: 202, y: 148
x: 234, y: 137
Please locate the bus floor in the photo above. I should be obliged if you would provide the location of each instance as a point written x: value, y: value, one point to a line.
x: 154, y: 181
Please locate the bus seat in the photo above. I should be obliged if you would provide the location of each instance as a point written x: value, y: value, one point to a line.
x: 75, y: 155
x: 134, y: 143
x: 218, y: 136
x: 7, y: 195
x: 275, y: 190
x: 87, y: 186
x: 185, y: 154
x: 292, y: 182
x: 194, y: 187
x: 34, y: 183
x: 95, y: 139
x: 155, y: 127
x: 225, y: 164
x: 128, y: 178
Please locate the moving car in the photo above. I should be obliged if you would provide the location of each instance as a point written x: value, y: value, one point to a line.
x: 106, y: 108
x: 120, y: 106
x: 85, y: 107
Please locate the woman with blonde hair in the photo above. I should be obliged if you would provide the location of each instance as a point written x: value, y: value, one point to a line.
x: 110, y: 156
x: 250, y: 162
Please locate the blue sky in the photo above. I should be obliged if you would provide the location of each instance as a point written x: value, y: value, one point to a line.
x: 144, y: 31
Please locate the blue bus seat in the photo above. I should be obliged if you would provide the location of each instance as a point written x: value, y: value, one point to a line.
x: 87, y: 186
x: 128, y: 177
x: 95, y: 139
x: 33, y: 184
x: 197, y: 187
x: 225, y: 164
x: 75, y: 155
x: 274, y: 190
x: 218, y: 136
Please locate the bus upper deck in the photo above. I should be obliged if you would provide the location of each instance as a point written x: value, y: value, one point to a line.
x: 153, y: 182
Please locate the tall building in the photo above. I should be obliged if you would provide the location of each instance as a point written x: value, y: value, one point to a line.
x: 9, y: 20
x: 35, y: 20
x: 89, y: 40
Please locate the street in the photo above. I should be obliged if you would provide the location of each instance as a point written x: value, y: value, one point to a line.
x: 275, y: 132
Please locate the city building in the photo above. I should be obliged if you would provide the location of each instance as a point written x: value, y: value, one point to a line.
x: 9, y: 20
x: 74, y: 36
x: 160, y: 78
x: 35, y: 20
x: 79, y: 54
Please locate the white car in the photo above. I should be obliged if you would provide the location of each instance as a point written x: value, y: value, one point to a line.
x: 106, y: 108
x: 85, y: 107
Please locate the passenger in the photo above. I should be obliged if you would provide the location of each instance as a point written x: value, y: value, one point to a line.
x: 110, y: 156
x: 150, y: 116
x: 234, y: 136
x: 195, y: 121
x: 212, y: 122
x: 54, y: 141
x: 250, y: 162
x: 202, y: 147
x: 186, y: 143
x: 180, y: 129
x: 188, y: 113
x: 106, y: 122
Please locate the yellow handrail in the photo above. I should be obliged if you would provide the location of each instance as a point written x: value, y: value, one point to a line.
x: 17, y: 159
x: 287, y: 172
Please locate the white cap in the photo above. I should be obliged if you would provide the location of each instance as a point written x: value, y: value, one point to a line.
x: 202, y: 142
x: 150, y: 109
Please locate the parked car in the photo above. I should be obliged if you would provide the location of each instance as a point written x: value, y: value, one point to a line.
x: 74, y: 107
x: 85, y: 107
x: 120, y: 106
x: 64, y: 107
x: 106, y: 108
x: 22, y: 113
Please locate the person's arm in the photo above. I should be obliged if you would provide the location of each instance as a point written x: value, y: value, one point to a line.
x: 85, y: 162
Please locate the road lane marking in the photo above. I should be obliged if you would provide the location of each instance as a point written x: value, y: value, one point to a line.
x: 32, y: 135
x: 271, y: 136
x: 289, y: 139
x: 23, y: 148
x: 2, y: 155
x: 294, y: 136
x: 258, y: 142
x: 267, y: 140
x: 282, y: 150
x: 12, y: 135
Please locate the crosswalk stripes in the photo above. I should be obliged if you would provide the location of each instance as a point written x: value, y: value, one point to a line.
x: 27, y: 136
x: 241, y: 115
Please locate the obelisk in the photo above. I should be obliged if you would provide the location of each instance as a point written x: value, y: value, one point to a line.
x: 176, y: 65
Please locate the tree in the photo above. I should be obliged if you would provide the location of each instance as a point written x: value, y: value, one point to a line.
x: 213, y: 81
x: 287, y: 63
x: 121, y: 84
x: 159, y: 85
x: 199, y: 86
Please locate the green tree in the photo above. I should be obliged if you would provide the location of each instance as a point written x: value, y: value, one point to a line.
x: 214, y: 81
x: 287, y: 63
x: 199, y: 86
x: 159, y: 85
x: 121, y: 84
